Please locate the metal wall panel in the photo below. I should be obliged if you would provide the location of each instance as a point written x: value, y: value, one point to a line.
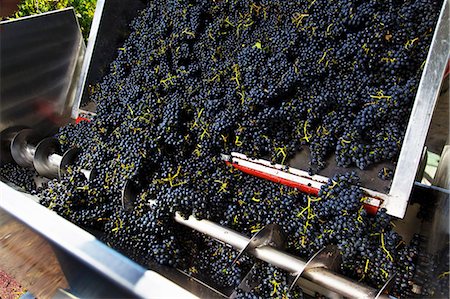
x: 40, y: 59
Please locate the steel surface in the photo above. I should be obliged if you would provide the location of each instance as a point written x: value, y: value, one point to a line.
x: 105, y: 272
x: 321, y: 276
x: 40, y: 55
x: 421, y: 114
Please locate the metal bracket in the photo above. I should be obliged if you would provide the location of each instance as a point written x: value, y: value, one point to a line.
x: 328, y: 257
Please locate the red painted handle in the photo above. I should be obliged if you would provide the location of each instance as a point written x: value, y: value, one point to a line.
x: 276, y: 179
x: 372, y: 210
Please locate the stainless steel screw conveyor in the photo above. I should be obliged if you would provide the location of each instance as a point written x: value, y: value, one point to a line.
x: 88, y: 268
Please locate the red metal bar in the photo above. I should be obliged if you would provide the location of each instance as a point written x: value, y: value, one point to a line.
x: 276, y: 179
x: 80, y: 119
x: 372, y: 210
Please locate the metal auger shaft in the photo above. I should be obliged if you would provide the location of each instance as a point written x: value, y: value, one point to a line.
x: 321, y: 276
x: 29, y: 149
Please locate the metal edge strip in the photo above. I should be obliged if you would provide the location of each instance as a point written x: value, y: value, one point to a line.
x: 87, y: 57
x: 36, y: 15
x: 84, y: 246
x: 420, y: 118
x: 74, y: 72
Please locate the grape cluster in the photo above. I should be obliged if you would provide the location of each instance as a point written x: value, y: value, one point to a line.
x: 19, y: 176
x: 385, y: 173
x: 214, y: 265
x: 264, y: 78
x: 198, y: 78
x: 145, y: 229
x: 270, y: 283
x: 74, y: 199
x: 75, y: 135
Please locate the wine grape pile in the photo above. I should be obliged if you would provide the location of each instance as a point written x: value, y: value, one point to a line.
x: 198, y: 78
x: 21, y: 177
